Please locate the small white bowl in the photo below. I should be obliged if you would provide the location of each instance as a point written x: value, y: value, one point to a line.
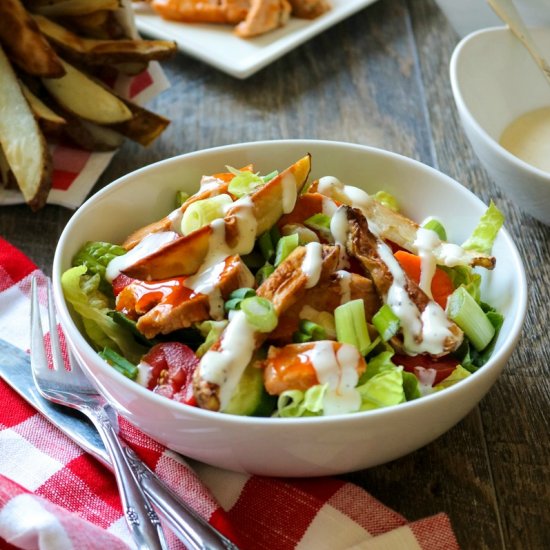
x: 303, y: 446
x: 494, y: 81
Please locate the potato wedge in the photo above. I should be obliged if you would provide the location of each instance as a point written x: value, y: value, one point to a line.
x: 102, y: 24
x: 92, y: 137
x: 144, y: 126
x: 7, y: 179
x: 78, y: 94
x: 185, y: 255
x: 103, y: 52
x: 23, y: 143
x: 50, y: 121
x: 24, y: 43
x: 59, y: 8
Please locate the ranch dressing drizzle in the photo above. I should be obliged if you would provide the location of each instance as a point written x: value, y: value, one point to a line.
x: 149, y: 244
x: 339, y: 371
x: 423, y: 332
x: 204, y: 281
x: 312, y: 263
x: 425, y: 243
x: 339, y: 228
x: 226, y: 365
x: 288, y: 186
x: 344, y: 278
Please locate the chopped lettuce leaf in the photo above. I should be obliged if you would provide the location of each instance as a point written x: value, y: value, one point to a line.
x: 96, y: 256
x: 382, y: 390
x: 484, y: 235
x: 458, y: 374
x: 411, y: 386
x: 380, y: 363
x: 82, y: 292
x: 464, y: 275
x: 211, y: 331
x: 296, y: 403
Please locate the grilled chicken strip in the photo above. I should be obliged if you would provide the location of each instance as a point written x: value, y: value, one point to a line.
x: 161, y: 307
x: 393, y: 226
x: 309, y: 9
x: 341, y: 287
x: 263, y: 16
x: 424, y: 325
x: 202, y: 11
x: 221, y: 367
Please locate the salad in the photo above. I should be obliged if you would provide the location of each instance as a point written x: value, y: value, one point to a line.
x: 270, y: 295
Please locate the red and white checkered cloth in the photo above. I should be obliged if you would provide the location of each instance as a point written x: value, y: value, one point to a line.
x: 55, y: 497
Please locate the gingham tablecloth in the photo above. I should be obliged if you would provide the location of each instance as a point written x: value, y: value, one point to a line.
x: 53, y: 496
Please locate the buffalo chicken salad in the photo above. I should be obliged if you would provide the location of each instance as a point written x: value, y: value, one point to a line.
x: 272, y: 295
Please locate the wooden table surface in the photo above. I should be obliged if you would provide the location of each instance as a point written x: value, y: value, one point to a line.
x: 381, y: 78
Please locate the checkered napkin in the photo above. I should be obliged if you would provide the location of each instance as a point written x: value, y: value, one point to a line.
x: 53, y: 496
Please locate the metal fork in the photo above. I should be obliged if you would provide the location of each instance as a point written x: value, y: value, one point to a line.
x: 73, y: 389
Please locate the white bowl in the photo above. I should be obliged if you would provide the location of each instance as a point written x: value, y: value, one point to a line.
x: 304, y: 446
x: 494, y: 81
x: 466, y: 16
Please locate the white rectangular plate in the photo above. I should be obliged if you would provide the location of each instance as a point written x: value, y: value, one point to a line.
x: 219, y: 47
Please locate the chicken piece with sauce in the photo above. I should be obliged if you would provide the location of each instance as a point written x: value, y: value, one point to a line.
x: 222, y: 365
x: 424, y: 325
x: 162, y: 307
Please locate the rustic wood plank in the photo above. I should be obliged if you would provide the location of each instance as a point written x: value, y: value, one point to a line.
x: 514, y: 415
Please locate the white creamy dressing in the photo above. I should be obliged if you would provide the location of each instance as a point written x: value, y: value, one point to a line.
x: 451, y: 255
x: 149, y: 244
x: 339, y: 228
x: 288, y: 186
x: 144, y: 373
x: 329, y: 206
x: 344, y: 278
x: 528, y: 138
x: 347, y: 194
x: 423, y: 332
x: 425, y: 243
x: 312, y: 263
x: 226, y: 365
x: 339, y: 371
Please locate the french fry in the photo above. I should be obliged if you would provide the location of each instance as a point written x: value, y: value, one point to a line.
x: 103, y: 52
x: 24, y: 43
x: 102, y: 24
x: 59, y: 8
x: 22, y: 141
x: 78, y: 94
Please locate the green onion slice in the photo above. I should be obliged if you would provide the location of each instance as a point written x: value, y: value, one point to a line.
x: 351, y: 325
x: 260, y: 313
x: 386, y: 322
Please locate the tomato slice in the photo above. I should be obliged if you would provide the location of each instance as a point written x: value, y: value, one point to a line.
x: 172, y: 367
x: 443, y: 366
x: 120, y: 282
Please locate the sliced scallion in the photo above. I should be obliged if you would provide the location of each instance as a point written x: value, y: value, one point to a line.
x: 388, y: 200
x: 200, y: 213
x: 120, y: 363
x: 260, y: 313
x: 285, y: 246
x: 468, y: 315
x: 309, y: 332
x: 237, y: 296
x: 318, y: 221
x: 386, y: 322
x: 351, y: 325
x: 435, y: 225
x: 245, y: 183
x: 266, y: 246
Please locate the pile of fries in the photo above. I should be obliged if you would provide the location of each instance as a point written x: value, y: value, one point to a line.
x: 55, y: 56
x: 251, y: 17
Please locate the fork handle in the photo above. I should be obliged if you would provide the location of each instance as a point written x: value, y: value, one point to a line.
x: 140, y: 516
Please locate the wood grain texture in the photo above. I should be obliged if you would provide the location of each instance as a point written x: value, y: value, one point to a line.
x: 381, y: 78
